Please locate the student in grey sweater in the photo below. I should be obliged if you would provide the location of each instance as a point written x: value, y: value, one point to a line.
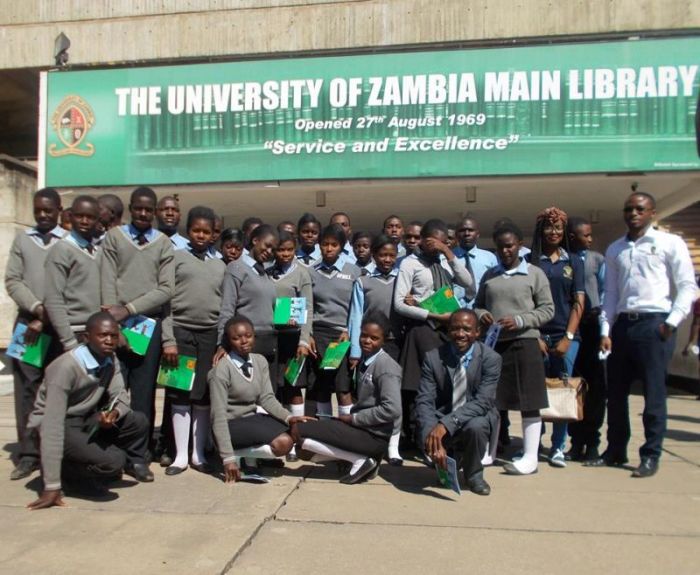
x: 332, y: 279
x: 73, y: 275
x: 292, y: 279
x: 137, y: 279
x: 249, y: 291
x: 238, y: 384
x: 361, y: 437
x: 516, y: 296
x: 25, y: 284
x: 83, y: 416
x: 190, y: 329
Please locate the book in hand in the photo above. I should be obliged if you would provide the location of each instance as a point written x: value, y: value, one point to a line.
x: 289, y: 308
x: 33, y: 354
x: 294, y: 367
x: 442, y: 301
x: 335, y: 352
x: 448, y: 477
x: 138, y: 331
x: 180, y: 377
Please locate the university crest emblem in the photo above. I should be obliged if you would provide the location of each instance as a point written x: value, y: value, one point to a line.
x: 71, y: 121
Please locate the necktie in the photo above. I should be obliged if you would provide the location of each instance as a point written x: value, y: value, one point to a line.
x: 258, y: 267
x: 459, y: 386
x: 247, y: 369
x: 141, y: 239
x: 90, y: 248
x: 199, y: 255
x: 468, y: 263
x: 45, y: 238
x: 364, y: 272
x: 439, y: 273
x: 276, y: 272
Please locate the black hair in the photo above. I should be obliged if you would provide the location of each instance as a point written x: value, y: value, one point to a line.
x: 339, y: 214
x: 250, y: 222
x: 49, y: 194
x: 334, y: 231
x: 379, y: 319
x: 380, y: 241
x: 652, y: 199
x: 200, y: 213
x: 285, y: 236
x: 537, y: 237
x: 263, y: 230
x: 143, y: 192
x: 465, y: 311
x: 391, y: 217
x: 98, y: 317
x: 284, y: 223
x: 232, y: 235
x: 359, y: 236
x: 507, y: 227
x: 112, y: 202
x: 235, y: 320
x: 87, y: 199
x: 431, y: 227
x: 574, y: 223
x: 307, y: 218
x: 166, y: 198
x: 414, y: 223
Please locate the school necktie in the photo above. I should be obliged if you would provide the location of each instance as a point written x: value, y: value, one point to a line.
x: 468, y: 263
x: 364, y: 272
x: 459, y: 386
x: 247, y: 369
x: 45, y: 237
x: 200, y: 255
x: 439, y: 273
x: 90, y: 248
x: 141, y: 239
x: 258, y: 267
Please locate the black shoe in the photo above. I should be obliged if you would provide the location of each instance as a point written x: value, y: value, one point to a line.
x: 477, y: 484
x: 648, y: 467
x: 139, y: 471
x: 373, y: 474
x: 291, y: 458
x: 395, y: 461
x: 591, y: 453
x: 202, y: 467
x: 165, y: 460
x: 274, y: 463
x: 24, y: 468
x: 174, y: 470
x: 85, y: 487
x: 365, y: 470
x: 606, y: 460
x: 575, y: 453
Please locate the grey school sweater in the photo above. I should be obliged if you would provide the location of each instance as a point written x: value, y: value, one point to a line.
x: 378, y: 402
x: 332, y: 294
x: 68, y: 390
x: 297, y: 283
x: 234, y: 396
x: 524, y: 296
x: 24, y: 275
x: 246, y: 292
x: 197, y: 299
x: 72, y: 292
x: 138, y: 277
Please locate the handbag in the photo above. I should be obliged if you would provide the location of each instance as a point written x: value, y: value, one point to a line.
x: 565, y: 396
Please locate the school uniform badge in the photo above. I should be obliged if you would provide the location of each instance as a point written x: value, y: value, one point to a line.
x: 568, y: 272
x: 72, y: 121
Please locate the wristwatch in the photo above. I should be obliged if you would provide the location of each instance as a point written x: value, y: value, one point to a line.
x: 569, y: 336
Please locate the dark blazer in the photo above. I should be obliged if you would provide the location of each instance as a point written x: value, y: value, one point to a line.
x: 434, y: 400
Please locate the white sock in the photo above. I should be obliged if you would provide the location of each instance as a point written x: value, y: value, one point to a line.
x: 324, y: 407
x: 488, y: 458
x: 318, y: 458
x: 344, y: 409
x: 296, y: 409
x: 256, y: 452
x: 181, y: 432
x: 393, y: 450
x: 200, y: 432
x: 531, y: 443
x: 329, y: 451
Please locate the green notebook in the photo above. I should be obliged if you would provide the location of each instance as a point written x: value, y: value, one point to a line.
x: 335, y: 352
x: 180, y: 377
x: 33, y: 354
x: 288, y: 308
x: 294, y: 367
x: 442, y: 301
x: 138, y: 331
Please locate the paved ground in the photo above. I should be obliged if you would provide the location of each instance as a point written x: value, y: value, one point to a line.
x: 573, y: 521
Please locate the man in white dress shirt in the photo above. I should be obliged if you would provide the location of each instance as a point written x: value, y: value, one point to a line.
x: 642, y: 270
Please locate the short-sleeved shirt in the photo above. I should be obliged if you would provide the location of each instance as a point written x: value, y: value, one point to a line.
x: 566, y: 280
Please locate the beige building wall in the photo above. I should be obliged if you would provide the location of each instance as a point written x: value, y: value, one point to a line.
x: 146, y: 30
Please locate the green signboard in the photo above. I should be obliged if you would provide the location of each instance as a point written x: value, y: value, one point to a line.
x: 571, y: 108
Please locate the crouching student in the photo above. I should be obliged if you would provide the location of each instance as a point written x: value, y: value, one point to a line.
x: 456, y: 401
x: 238, y: 384
x: 84, y: 419
x: 361, y: 437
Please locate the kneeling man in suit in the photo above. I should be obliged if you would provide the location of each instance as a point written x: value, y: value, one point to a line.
x: 456, y: 399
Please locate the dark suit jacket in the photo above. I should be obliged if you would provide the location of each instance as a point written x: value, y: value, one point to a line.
x: 434, y: 400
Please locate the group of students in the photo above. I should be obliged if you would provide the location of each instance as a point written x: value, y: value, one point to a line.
x: 212, y: 295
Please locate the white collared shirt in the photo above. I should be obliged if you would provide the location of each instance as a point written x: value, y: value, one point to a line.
x: 640, y: 274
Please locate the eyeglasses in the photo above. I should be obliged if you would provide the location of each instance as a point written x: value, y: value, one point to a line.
x: 638, y: 209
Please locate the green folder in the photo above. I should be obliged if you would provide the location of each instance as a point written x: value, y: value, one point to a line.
x: 287, y: 308
x: 294, y: 367
x: 334, y: 354
x: 180, y: 377
x: 442, y: 301
x: 33, y: 354
x: 138, y: 331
